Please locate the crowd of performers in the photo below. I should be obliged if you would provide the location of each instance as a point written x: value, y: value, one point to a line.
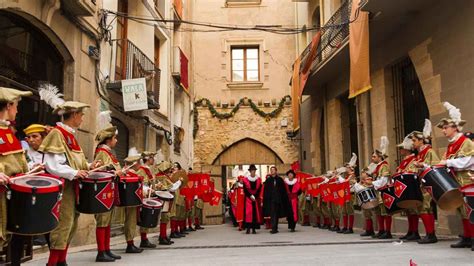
x: 46, y: 183
x: 423, y: 179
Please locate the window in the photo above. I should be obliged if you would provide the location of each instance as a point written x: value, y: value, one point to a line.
x: 245, y: 64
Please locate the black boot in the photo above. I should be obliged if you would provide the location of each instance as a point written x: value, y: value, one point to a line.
x: 317, y: 225
x: 341, y: 231
x: 253, y: 231
x: 408, y: 234
x: 349, y: 231
x: 175, y: 235
x: 103, y: 257
x: 368, y: 233
x: 248, y: 231
x: 472, y: 244
x: 378, y: 234
x: 413, y: 237
x: 386, y: 235
x: 112, y: 255
x: 198, y: 227
x: 147, y: 244
x: 62, y: 263
x: 164, y: 241
x: 428, y: 239
x: 183, y: 232
x: 191, y: 229
x: 131, y: 248
x: 464, y: 242
x: 324, y: 226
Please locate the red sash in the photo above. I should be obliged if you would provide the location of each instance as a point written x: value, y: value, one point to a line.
x: 114, y: 159
x: 8, y: 142
x: 403, y: 165
x: 70, y: 139
x: 147, y: 172
x: 454, y: 147
x: 422, y: 154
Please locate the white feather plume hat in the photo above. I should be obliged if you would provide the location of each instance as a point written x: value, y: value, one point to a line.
x: 51, y: 95
x: 454, y: 117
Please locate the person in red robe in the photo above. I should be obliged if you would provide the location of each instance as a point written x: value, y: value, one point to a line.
x: 252, y: 212
x: 294, y: 190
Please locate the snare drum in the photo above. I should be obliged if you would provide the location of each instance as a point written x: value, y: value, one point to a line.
x: 367, y: 198
x: 149, y: 213
x: 390, y: 200
x: 166, y: 198
x: 468, y: 192
x: 130, y: 191
x: 95, y: 194
x: 407, y: 190
x: 440, y: 183
x: 33, y: 204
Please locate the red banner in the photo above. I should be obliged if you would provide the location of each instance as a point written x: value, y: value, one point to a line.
x: 208, y: 194
x: 312, y: 185
x: 295, y: 166
x: 216, y: 198
x: 326, y: 192
x: 340, y: 192
x: 240, y: 198
x: 301, y: 177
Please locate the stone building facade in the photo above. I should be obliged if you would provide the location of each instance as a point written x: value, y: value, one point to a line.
x: 220, y: 143
x: 74, y: 46
x: 416, y: 63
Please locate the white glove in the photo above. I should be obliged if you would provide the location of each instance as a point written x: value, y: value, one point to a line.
x: 175, y: 186
x: 195, y: 197
x: 252, y: 197
x: 308, y: 197
x: 341, y: 179
x: 357, y: 187
x: 241, y: 185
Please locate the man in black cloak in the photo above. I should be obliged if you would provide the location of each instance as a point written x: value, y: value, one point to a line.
x: 276, y: 203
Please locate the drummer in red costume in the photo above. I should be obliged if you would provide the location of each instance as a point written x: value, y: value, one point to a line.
x: 12, y: 162
x: 294, y: 190
x: 459, y: 157
x: 426, y: 157
x: 64, y: 157
x: 381, y: 177
x: 147, y: 172
x: 408, y: 165
x: 252, y: 187
x: 132, y: 165
x: 106, y: 138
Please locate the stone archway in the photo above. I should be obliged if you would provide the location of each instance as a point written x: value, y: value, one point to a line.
x: 247, y: 151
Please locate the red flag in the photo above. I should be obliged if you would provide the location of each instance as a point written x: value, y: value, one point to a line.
x: 326, y: 192
x: 338, y: 193
x: 207, y: 195
x: 312, y: 185
x: 295, y: 166
x: 204, y: 183
x: 301, y: 177
x: 216, y: 198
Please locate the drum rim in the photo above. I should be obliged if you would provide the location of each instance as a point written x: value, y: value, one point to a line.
x: 101, y: 180
x: 38, y: 190
x: 130, y: 179
x: 162, y: 198
x: 403, y: 173
x: 152, y: 206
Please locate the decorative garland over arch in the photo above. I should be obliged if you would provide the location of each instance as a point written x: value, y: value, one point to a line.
x: 207, y: 103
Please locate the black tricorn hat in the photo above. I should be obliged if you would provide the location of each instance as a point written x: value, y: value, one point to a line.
x: 252, y: 167
x: 291, y: 172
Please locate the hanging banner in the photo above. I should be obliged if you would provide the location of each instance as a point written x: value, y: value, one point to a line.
x: 359, y: 51
x: 134, y: 94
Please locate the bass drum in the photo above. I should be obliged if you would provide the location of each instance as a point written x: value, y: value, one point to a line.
x: 130, y: 191
x: 440, y: 183
x: 33, y: 204
x: 468, y: 192
x: 390, y: 200
x: 407, y: 190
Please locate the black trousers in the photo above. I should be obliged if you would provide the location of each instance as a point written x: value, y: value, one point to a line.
x: 275, y: 210
x: 17, y: 248
x: 291, y: 223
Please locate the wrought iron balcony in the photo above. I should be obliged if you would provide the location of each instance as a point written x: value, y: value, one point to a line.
x: 135, y: 64
x: 332, y: 38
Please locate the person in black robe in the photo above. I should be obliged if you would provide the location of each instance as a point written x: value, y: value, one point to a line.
x: 276, y: 203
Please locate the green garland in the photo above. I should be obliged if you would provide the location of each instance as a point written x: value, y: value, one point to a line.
x: 207, y: 103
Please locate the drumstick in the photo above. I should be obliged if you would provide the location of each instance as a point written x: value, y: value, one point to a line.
x: 35, y: 169
x: 98, y: 168
x: 128, y: 167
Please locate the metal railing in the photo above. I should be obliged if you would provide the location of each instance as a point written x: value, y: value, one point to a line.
x: 332, y: 38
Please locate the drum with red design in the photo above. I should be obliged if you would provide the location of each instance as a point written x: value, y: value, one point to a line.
x: 95, y: 194
x: 166, y: 198
x: 130, y: 191
x: 390, y: 200
x: 33, y: 204
x: 468, y: 192
x: 149, y: 213
x: 440, y: 183
x: 407, y: 190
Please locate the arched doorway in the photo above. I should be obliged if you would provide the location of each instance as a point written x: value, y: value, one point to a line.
x: 236, y: 158
x: 27, y: 59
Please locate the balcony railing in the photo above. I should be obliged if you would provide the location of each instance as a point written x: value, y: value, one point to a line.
x: 138, y: 65
x: 332, y: 38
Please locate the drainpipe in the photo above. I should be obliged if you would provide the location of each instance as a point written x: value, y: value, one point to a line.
x: 145, y: 141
